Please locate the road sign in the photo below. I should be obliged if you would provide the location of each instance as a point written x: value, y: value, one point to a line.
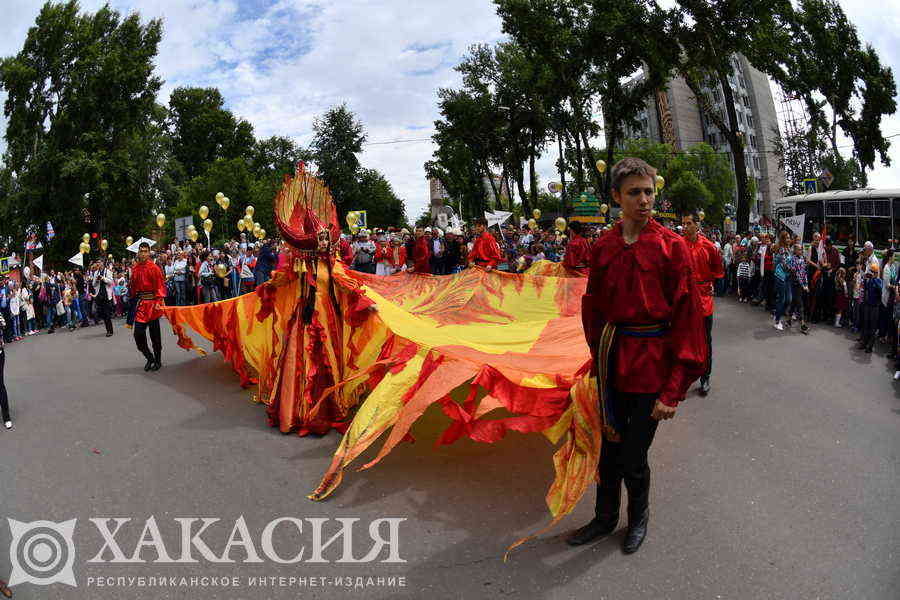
x: 811, y: 186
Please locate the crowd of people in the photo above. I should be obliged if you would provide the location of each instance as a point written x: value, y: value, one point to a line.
x: 806, y: 284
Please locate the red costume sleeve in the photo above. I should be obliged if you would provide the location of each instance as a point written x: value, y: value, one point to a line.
x: 708, y: 267
x: 577, y: 253
x: 687, y: 336
x: 346, y: 252
x: 485, y: 251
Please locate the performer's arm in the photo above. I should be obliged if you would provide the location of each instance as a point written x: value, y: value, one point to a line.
x: 716, y: 266
x: 686, y: 337
x: 159, y: 284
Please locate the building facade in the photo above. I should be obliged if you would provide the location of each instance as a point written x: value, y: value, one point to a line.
x: 686, y: 125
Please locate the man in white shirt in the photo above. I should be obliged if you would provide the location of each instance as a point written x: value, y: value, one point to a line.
x: 178, y: 277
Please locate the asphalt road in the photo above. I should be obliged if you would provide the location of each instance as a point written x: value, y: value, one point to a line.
x: 783, y: 483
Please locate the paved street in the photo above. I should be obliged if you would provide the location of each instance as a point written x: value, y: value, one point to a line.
x: 784, y: 483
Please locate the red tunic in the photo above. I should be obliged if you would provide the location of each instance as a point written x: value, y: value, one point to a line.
x: 147, y: 277
x: 578, y: 254
x: 485, y: 252
x: 650, y: 281
x: 422, y: 255
x: 346, y: 252
x: 708, y: 267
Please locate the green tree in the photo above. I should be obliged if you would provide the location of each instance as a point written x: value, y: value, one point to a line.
x: 710, y: 34
x: 82, y: 123
x: 383, y: 207
x: 203, y: 130
x: 338, y: 140
x: 842, y: 83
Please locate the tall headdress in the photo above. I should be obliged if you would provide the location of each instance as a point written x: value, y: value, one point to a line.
x: 303, y: 209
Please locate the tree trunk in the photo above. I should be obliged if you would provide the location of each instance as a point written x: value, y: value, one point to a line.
x: 520, y: 184
x: 564, y: 204
x: 592, y: 161
x: 579, y: 167
x: 736, y: 143
x: 532, y: 175
x: 490, y: 178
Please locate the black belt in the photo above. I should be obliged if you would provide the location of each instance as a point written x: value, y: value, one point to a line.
x: 146, y: 296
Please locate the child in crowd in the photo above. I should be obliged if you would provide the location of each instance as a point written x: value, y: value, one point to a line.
x: 744, y: 275
x: 841, y: 296
x: 871, y: 305
x: 858, y: 290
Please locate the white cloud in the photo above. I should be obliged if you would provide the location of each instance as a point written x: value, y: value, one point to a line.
x: 280, y: 63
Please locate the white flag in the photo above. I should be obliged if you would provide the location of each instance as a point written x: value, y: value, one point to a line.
x: 136, y: 245
x: 78, y: 259
x: 496, y: 218
x: 39, y: 262
x: 796, y: 224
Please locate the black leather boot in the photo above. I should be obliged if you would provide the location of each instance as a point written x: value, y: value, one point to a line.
x: 609, y: 497
x: 638, y: 513
x: 149, y: 364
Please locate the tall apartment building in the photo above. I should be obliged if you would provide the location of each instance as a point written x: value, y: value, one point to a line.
x: 757, y: 119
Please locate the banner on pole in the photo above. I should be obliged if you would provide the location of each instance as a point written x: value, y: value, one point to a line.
x: 78, y: 259
x: 39, y: 262
x: 135, y: 246
x: 796, y: 224
x: 496, y: 218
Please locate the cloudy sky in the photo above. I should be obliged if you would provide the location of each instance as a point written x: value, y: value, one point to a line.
x: 280, y: 63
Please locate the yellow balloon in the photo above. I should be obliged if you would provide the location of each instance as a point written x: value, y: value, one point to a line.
x: 160, y: 220
x: 536, y: 213
x: 262, y: 234
x: 221, y: 270
x: 256, y: 226
x: 660, y: 182
x: 248, y: 223
x: 249, y: 211
x: 86, y: 238
x: 702, y: 215
x: 728, y: 220
x: 219, y: 196
x: 352, y: 218
x: 604, y: 208
x: 224, y: 203
x: 109, y: 256
x: 207, y: 225
x: 203, y: 211
x: 560, y: 224
x: 601, y: 166
x: 532, y: 224
x: 104, y: 245
x: 84, y: 247
x: 191, y: 227
x: 193, y: 234
x: 129, y: 240
x: 240, y: 224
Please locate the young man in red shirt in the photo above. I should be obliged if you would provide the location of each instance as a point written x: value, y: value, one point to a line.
x: 708, y: 267
x: 642, y: 321
x: 422, y: 251
x: 148, y: 288
x: 578, y: 251
x: 485, y: 252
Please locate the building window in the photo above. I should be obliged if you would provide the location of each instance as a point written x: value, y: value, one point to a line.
x: 740, y: 117
x: 753, y: 141
x: 743, y: 83
x: 756, y: 162
x: 716, y: 95
x: 712, y: 139
x: 746, y: 100
x: 750, y: 121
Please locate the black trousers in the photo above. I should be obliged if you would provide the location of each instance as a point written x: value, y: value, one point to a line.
x: 626, y: 460
x: 104, y: 311
x: 4, y: 400
x: 140, y: 338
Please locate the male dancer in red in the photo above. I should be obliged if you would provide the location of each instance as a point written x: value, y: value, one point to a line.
x: 422, y: 251
x: 578, y: 251
x: 642, y: 321
x: 148, y: 288
x: 708, y: 267
x: 485, y: 251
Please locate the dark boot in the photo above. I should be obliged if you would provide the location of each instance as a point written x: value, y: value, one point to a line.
x: 704, y: 386
x: 638, y: 513
x: 150, y: 361
x: 609, y: 498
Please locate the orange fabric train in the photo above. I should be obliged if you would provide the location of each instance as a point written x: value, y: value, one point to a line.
x: 367, y: 355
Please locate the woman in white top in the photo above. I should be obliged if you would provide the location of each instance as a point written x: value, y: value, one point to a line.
x: 28, y: 308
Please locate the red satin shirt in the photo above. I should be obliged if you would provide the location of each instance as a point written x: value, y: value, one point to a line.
x: 578, y: 254
x: 649, y: 281
x: 485, y: 251
x: 708, y: 267
x: 147, y: 277
x: 422, y: 255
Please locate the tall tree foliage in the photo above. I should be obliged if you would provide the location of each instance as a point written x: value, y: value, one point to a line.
x: 81, y: 120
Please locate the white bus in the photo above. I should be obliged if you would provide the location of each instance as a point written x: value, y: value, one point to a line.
x: 868, y: 215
